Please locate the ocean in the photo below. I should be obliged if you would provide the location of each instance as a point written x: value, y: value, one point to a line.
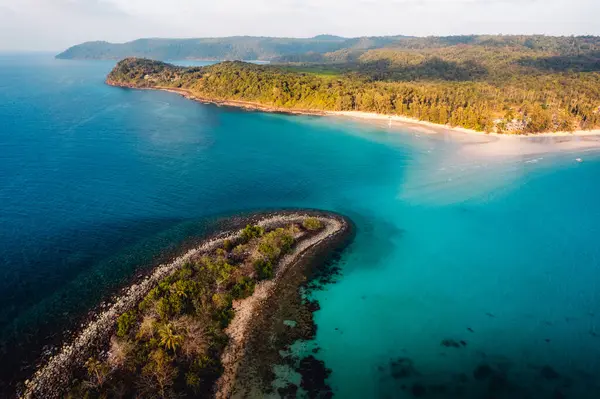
x: 470, y: 276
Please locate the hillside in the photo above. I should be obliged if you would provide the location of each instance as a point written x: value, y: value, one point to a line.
x: 566, y: 51
x: 227, y: 48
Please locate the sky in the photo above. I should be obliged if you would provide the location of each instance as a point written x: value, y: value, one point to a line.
x: 53, y: 25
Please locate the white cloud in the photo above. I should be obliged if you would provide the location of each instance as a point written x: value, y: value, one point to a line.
x: 56, y: 24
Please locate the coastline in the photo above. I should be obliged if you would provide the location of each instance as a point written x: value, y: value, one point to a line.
x: 51, y: 378
x: 247, y: 105
x: 374, y: 117
x: 249, y: 310
x: 368, y: 117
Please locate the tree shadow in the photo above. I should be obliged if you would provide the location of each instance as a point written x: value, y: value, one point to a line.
x: 588, y: 62
x: 433, y: 68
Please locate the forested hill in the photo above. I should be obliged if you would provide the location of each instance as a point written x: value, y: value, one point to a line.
x: 327, y: 48
x: 220, y: 49
x: 508, y: 94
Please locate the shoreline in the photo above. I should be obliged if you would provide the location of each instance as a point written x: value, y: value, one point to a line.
x: 247, y: 105
x: 55, y: 374
x: 287, y: 318
x: 248, y: 310
x: 368, y: 117
x: 374, y: 117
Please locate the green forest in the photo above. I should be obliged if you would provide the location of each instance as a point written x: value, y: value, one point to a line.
x: 512, y: 84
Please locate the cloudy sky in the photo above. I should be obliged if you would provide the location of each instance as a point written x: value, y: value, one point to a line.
x: 57, y: 24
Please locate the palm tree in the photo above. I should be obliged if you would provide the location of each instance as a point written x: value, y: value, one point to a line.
x: 168, y: 338
x: 179, y: 289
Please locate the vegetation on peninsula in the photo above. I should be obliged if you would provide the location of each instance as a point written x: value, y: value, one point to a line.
x: 519, y: 84
x: 171, y: 344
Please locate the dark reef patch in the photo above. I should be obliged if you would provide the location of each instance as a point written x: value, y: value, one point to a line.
x: 439, y: 389
x: 498, y: 383
x: 482, y: 372
x: 549, y: 373
x: 402, y: 368
x: 418, y: 390
x: 499, y: 379
x: 450, y: 343
x: 462, y: 378
x: 290, y: 391
x: 314, y: 374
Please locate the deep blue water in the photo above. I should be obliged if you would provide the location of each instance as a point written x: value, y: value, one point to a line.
x: 501, y: 253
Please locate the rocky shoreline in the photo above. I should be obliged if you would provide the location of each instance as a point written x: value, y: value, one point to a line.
x: 51, y: 379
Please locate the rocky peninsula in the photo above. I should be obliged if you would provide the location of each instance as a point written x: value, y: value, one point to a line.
x: 191, y: 325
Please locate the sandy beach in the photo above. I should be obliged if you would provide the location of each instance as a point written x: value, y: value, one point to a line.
x: 379, y: 119
x: 436, y: 128
x: 488, y: 145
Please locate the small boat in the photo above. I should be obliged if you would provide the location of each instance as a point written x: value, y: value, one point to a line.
x: 579, y: 160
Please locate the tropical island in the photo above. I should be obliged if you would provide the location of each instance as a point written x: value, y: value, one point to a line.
x: 501, y: 84
x: 210, y: 324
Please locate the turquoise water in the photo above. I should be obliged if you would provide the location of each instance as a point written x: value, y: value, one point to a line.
x: 501, y: 253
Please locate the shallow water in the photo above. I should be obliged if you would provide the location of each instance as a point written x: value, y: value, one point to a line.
x: 96, y: 181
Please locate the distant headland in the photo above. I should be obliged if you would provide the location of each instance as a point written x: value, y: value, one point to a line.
x: 208, y: 324
x: 223, y: 48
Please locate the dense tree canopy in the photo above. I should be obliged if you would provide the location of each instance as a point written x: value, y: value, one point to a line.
x: 513, y: 84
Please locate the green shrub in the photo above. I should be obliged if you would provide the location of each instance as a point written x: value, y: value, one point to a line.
x: 243, y: 288
x: 224, y: 317
x: 264, y: 269
x: 176, y: 304
x: 185, y: 273
x: 125, y: 322
x: 221, y: 300
x: 164, y: 285
x: 153, y: 294
x: 269, y: 249
x: 227, y: 245
x: 145, y: 304
x: 239, y: 251
x: 192, y: 380
x: 152, y: 343
x: 274, y: 244
x: 221, y: 252
x: 204, y: 363
x: 312, y: 224
x: 286, y: 241
x: 163, y: 307
x: 251, y: 232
